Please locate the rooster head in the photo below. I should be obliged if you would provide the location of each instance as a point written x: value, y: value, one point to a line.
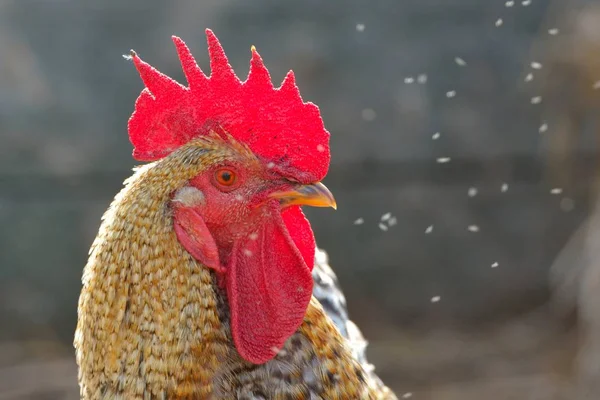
x: 263, y: 152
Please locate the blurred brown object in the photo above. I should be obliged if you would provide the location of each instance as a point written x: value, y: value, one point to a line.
x: 569, y: 82
x: 570, y: 85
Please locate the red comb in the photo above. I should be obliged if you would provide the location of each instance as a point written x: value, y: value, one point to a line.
x: 274, y: 122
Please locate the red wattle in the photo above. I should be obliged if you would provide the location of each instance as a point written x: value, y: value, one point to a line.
x: 301, y: 233
x: 269, y: 285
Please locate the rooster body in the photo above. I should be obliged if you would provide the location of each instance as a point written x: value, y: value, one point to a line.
x: 162, y: 313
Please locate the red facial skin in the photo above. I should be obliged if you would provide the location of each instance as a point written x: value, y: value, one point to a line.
x: 263, y: 254
x: 231, y: 212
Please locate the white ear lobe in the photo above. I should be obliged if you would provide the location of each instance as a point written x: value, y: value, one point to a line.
x: 189, y: 196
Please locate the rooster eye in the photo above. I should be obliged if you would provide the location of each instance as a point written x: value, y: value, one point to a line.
x: 225, y: 176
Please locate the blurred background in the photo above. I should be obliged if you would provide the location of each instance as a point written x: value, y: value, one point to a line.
x: 465, y: 165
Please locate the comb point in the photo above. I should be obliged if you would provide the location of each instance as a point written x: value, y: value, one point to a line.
x: 289, y: 85
x: 219, y: 64
x: 158, y: 83
x: 258, y: 71
x: 192, y: 71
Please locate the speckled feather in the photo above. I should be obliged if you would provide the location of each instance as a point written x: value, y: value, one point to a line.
x: 153, y: 323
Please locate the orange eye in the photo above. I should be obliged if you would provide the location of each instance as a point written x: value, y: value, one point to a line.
x: 225, y: 176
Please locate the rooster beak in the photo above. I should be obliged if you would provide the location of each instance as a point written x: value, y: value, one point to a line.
x: 315, y: 195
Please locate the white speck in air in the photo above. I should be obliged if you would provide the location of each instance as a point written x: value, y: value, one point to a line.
x: 422, y: 78
x: 407, y: 395
x: 408, y: 80
x: 509, y: 3
x: 247, y: 252
x: 525, y: 3
x: 253, y: 236
x: 392, y: 221
x: 499, y: 22
x: 443, y: 160
x: 556, y: 191
x: 536, y: 100
x: 429, y: 229
x: 529, y: 77
x: 504, y: 187
x: 460, y: 61
x: 543, y: 128
x: 473, y: 228
x: 360, y: 27
x: 450, y: 94
x: 435, y: 299
x: 436, y: 136
x: 495, y: 265
x: 386, y: 216
x: 553, y: 31
x: 596, y: 85
x: 383, y: 226
x: 536, y: 65
x: 359, y: 221
x: 472, y: 192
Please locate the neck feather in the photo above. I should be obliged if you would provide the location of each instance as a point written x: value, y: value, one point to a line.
x: 148, y: 311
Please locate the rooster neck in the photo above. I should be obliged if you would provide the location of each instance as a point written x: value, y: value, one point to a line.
x: 148, y: 312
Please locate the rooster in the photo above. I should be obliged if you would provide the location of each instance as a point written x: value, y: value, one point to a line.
x: 200, y: 283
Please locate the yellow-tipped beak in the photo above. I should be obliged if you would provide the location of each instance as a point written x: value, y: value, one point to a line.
x: 315, y: 195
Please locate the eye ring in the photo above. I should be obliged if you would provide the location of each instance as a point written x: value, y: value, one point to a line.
x: 225, y: 177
